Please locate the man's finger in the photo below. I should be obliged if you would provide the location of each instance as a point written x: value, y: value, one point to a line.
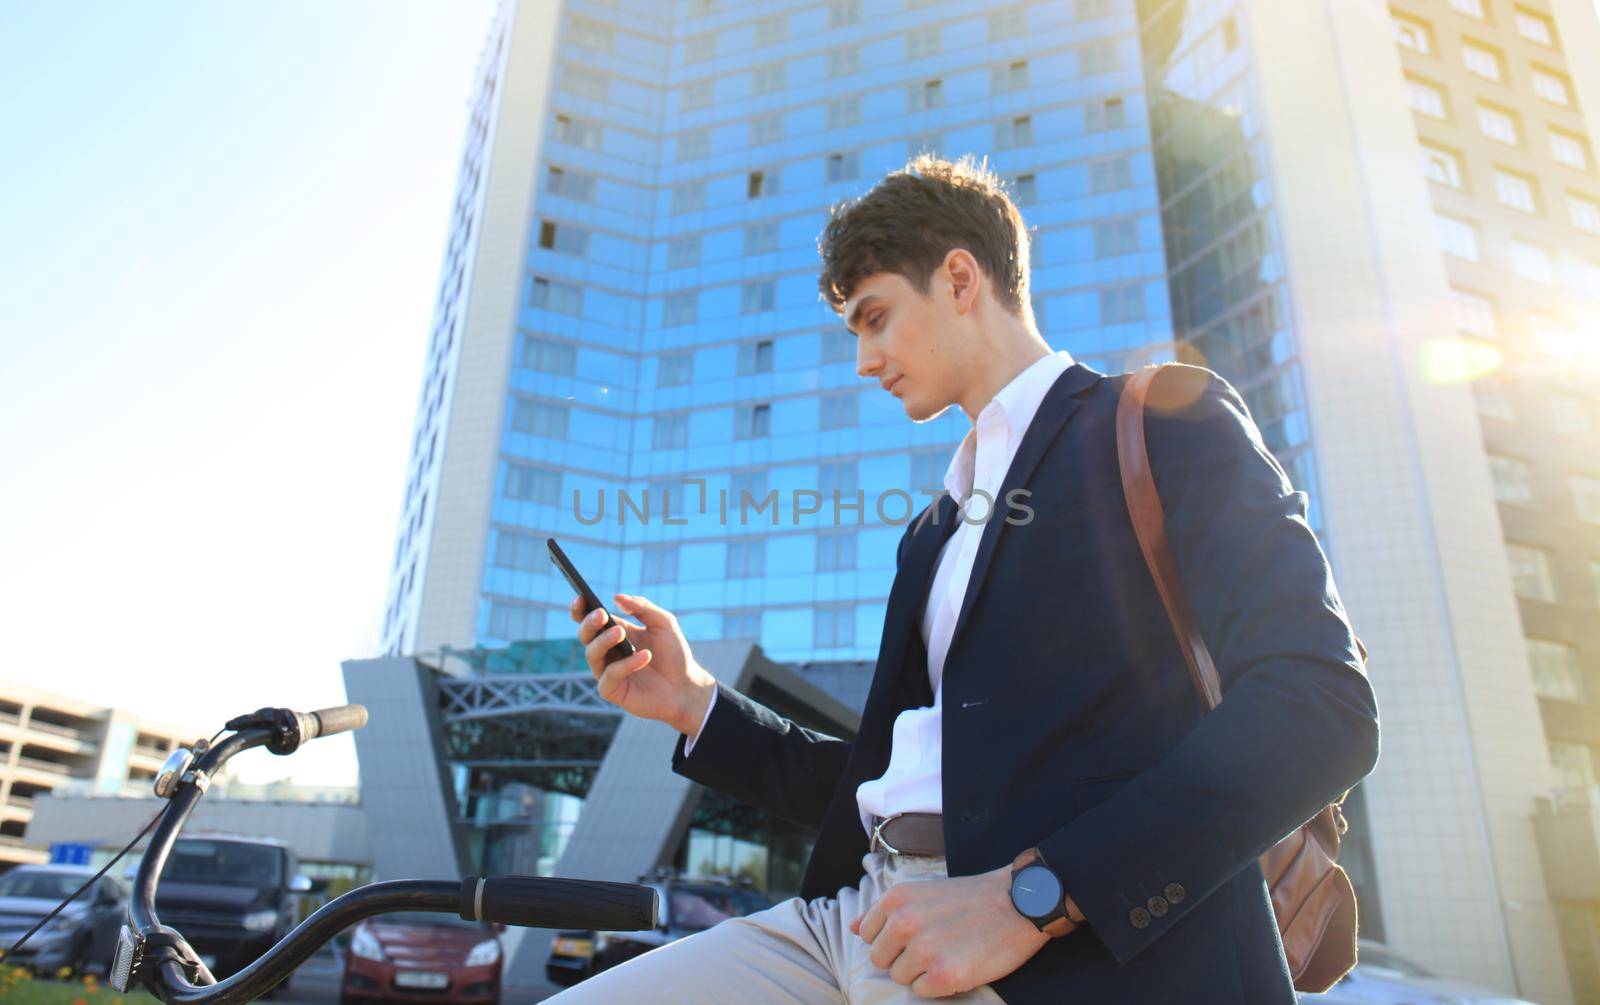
x: 644, y: 610
x: 868, y: 925
x: 617, y: 673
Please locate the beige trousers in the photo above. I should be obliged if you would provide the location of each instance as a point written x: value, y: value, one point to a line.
x: 799, y: 952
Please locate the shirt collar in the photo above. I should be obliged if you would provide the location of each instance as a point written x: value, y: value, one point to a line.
x: 1012, y: 408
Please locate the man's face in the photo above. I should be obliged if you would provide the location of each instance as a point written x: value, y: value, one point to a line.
x: 910, y: 342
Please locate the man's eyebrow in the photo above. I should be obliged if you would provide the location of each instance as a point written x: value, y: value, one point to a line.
x: 861, y: 305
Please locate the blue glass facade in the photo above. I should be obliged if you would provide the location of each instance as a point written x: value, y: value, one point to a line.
x: 670, y: 336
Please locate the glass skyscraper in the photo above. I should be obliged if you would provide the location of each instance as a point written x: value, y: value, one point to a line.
x: 628, y: 319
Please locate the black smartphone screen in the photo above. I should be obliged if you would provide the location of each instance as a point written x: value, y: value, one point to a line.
x: 580, y: 586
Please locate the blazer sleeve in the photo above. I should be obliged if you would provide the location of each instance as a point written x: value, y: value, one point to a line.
x: 1298, y: 723
x: 760, y: 758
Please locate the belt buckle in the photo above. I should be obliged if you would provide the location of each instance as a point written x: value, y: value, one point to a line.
x: 877, y: 836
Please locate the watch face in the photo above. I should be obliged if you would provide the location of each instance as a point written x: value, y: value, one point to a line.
x: 1035, y: 891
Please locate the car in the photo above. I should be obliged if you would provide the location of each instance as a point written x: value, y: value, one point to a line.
x: 420, y: 956
x: 81, y: 938
x: 689, y: 904
x: 231, y: 896
x: 1384, y: 977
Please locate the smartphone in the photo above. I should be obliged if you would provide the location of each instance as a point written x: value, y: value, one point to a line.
x: 623, y: 649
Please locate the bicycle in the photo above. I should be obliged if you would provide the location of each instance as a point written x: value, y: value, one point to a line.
x: 155, y: 956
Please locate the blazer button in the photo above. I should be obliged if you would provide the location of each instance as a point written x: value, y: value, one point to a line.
x: 1174, y: 893
x: 1157, y: 906
x: 1139, y: 918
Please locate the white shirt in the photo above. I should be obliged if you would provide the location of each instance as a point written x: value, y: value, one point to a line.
x: 912, y: 782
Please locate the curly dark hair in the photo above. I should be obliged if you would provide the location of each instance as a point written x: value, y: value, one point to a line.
x: 909, y: 221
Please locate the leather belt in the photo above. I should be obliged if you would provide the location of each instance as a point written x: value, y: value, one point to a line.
x: 908, y: 834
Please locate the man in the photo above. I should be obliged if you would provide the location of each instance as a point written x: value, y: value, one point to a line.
x: 1030, y: 705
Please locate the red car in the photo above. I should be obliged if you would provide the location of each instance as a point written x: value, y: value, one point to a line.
x: 422, y: 957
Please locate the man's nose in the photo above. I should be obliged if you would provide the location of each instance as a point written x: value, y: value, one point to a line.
x: 867, y: 361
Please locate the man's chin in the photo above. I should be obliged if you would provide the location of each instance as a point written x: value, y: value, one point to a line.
x: 918, y: 412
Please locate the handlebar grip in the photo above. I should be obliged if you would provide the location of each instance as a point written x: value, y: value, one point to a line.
x: 549, y: 902
x: 328, y: 721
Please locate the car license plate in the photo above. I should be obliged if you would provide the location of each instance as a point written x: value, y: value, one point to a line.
x: 420, y: 979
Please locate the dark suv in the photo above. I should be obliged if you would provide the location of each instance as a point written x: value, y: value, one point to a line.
x: 689, y: 904
x: 230, y: 896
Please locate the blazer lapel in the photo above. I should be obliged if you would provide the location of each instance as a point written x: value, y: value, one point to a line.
x: 1055, y: 410
x: 911, y: 585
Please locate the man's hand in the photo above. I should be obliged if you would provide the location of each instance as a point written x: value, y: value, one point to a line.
x: 661, y: 680
x: 946, y: 936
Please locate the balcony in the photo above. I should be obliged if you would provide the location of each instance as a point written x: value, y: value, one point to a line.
x: 17, y: 808
x: 1569, y: 847
x: 42, y: 772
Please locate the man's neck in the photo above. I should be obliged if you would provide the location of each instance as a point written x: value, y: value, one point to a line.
x: 1007, y: 356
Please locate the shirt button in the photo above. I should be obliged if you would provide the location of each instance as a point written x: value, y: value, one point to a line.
x: 1139, y: 918
x: 1157, y: 906
x: 1174, y: 893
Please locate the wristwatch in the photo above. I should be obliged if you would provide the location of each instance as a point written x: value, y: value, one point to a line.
x: 1037, y: 894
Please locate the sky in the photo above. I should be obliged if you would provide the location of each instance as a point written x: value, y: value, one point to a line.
x: 221, y: 225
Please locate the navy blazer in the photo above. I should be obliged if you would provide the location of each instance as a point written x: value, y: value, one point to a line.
x: 1070, y: 719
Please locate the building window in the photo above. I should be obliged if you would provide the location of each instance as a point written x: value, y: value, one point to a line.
x: 1515, y: 190
x: 694, y: 144
x: 584, y: 83
x: 1474, y: 314
x: 1498, y: 124
x: 1584, y: 213
x: 741, y: 625
x: 844, y: 112
x: 1093, y: 10
x: 1102, y: 115
x: 932, y: 143
x: 766, y: 129
x: 669, y: 431
x: 1011, y: 77
x: 1530, y: 572
x: 751, y: 422
x: 1471, y: 8
x: 838, y: 346
x: 757, y: 297
x: 660, y: 563
x: 747, y: 559
x: 689, y: 197
x: 681, y: 309
x: 514, y: 622
x: 1482, y: 61
x: 1569, y: 150
x: 1494, y: 401
x: 1004, y: 24
x: 676, y: 369
x: 1532, y: 262
x: 756, y: 357
x: 1586, y: 497
x: 1442, y: 166
x: 1413, y: 35
x: 559, y: 298
x: 530, y: 484
x: 549, y: 356
x: 1535, y: 27
x: 928, y: 469
x: 1425, y: 98
x: 842, y: 13
x: 516, y: 551
x: 1121, y: 303
x: 1570, y: 416
x: 567, y: 240
x: 697, y: 94
x: 1100, y: 57
x: 1456, y: 237
x: 928, y: 94
x: 769, y: 79
x: 575, y: 185
x: 838, y: 478
x: 539, y: 418
x: 699, y: 48
x: 1110, y: 175
x: 683, y: 252
x: 839, y: 411
x: 760, y: 238
x: 844, y: 61
x: 921, y: 42
x: 773, y: 28
x: 1026, y: 189
x: 1551, y: 86
x: 836, y: 550
x: 583, y: 135
x: 1555, y: 671
x: 1512, y: 479
x: 1116, y: 237
x: 761, y: 183
x: 589, y: 34
x: 747, y: 485
x: 834, y: 627
x: 844, y: 166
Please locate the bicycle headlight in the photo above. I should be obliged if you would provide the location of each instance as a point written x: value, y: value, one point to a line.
x: 260, y: 921
x: 484, y: 953
x: 365, y: 945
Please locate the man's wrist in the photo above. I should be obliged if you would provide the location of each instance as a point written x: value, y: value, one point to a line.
x: 699, y: 706
x: 1072, y: 916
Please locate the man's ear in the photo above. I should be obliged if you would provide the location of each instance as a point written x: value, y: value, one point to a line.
x: 961, y: 278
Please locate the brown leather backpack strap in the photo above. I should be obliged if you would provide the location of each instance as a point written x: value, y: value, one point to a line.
x: 1150, y: 525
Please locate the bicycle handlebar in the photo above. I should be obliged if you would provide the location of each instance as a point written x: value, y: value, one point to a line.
x: 328, y: 721
x: 549, y: 902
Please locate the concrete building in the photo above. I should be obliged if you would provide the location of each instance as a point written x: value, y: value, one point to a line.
x: 48, y: 741
x: 1380, y: 223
